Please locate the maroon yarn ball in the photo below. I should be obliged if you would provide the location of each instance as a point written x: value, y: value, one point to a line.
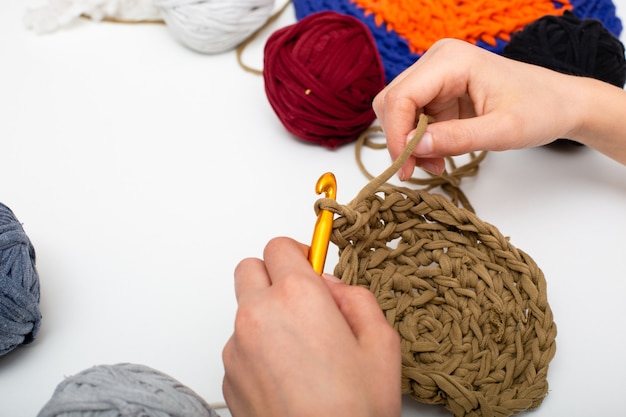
x: 321, y: 76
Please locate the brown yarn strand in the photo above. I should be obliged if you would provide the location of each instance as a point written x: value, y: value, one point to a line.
x: 449, y: 181
x: 375, y: 183
x: 126, y: 21
x: 243, y: 45
x: 476, y: 329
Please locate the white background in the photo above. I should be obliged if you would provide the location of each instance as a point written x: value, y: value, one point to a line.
x: 143, y: 172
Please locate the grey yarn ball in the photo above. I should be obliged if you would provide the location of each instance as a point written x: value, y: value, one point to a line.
x: 124, y: 390
x: 214, y: 26
x: 20, y: 317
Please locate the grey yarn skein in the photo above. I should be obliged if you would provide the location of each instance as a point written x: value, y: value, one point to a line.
x: 124, y: 390
x: 20, y: 317
x: 214, y: 26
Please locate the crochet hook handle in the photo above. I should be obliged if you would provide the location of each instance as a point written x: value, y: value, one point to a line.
x: 324, y: 225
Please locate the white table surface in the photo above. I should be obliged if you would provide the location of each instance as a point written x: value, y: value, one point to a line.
x: 143, y: 172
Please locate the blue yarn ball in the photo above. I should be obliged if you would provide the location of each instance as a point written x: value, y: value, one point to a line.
x: 20, y: 317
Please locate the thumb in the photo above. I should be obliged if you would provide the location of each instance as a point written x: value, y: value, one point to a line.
x: 460, y: 136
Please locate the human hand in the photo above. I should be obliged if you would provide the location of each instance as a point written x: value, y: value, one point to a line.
x: 480, y: 100
x: 307, y: 346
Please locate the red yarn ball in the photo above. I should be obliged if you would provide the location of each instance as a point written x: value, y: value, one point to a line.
x: 321, y: 76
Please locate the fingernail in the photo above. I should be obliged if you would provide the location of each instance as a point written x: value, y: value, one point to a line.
x: 331, y: 278
x: 404, y: 173
x: 425, y: 145
x: 432, y: 167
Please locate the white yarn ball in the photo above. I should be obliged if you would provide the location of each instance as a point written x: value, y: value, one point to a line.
x: 214, y: 26
x: 50, y: 15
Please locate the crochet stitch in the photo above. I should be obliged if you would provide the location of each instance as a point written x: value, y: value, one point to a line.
x: 476, y: 329
x: 487, y: 24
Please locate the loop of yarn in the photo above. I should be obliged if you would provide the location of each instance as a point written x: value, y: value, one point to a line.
x: 124, y: 390
x: 20, y: 317
x: 214, y: 26
x: 321, y: 76
x: 477, y: 332
x: 488, y: 24
x: 572, y: 46
x: 449, y: 181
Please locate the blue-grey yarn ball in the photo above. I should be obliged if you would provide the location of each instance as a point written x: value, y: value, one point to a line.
x: 20, y: 316
x: 124, y: 390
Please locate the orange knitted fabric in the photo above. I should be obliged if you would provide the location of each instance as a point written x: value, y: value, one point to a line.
x: 423, y: 23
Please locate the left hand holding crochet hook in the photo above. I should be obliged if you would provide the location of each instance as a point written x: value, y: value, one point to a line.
x: 305, y: 346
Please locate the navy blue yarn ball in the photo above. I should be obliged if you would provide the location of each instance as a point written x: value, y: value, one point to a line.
x: 572, y: 46
x: 20, y: 317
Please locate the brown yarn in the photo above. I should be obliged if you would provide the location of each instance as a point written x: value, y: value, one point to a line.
x: 471, y: 309
x: 242, y: 46
x: 449, y: 181
x: 125, y: 21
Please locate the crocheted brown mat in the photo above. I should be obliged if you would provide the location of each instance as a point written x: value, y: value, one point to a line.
x: 471, y: 309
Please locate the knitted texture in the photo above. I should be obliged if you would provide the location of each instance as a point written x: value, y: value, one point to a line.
x: 20, y: 316
x: 321, y: 75
x: 571, y: 45
x: 471, y: 309
x: 124, y: 390
x: 214, y: 26
x: 403, y: 30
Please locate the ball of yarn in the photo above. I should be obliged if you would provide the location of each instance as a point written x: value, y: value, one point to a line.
x: 214, y: 26
x: 124, y: 390
x: 571, y: 45
x: 321, y: 75
x: 52, y: 15
x: 602, y: 10
x: 395, y: 49
x: 20, y: 317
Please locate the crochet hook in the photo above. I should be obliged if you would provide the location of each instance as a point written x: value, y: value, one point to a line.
x: 326, y: 184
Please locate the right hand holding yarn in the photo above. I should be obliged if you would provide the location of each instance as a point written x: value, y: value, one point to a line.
x: 482, y: 101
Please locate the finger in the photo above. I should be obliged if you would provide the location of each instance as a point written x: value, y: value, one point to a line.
x: 435, y: 166
x: 397, y: 120
x: 360, y: 310
x: 286, y: 258
x: 482, y: 133
x: 250, y: 276
x: 435, y: 77
x: 399, y: 108
x: 233, y: 401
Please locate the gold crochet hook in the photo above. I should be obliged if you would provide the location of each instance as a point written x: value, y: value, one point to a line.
x: 324, y: 225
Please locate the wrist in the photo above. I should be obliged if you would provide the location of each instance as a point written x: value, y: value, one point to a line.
x: 598, y: 120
